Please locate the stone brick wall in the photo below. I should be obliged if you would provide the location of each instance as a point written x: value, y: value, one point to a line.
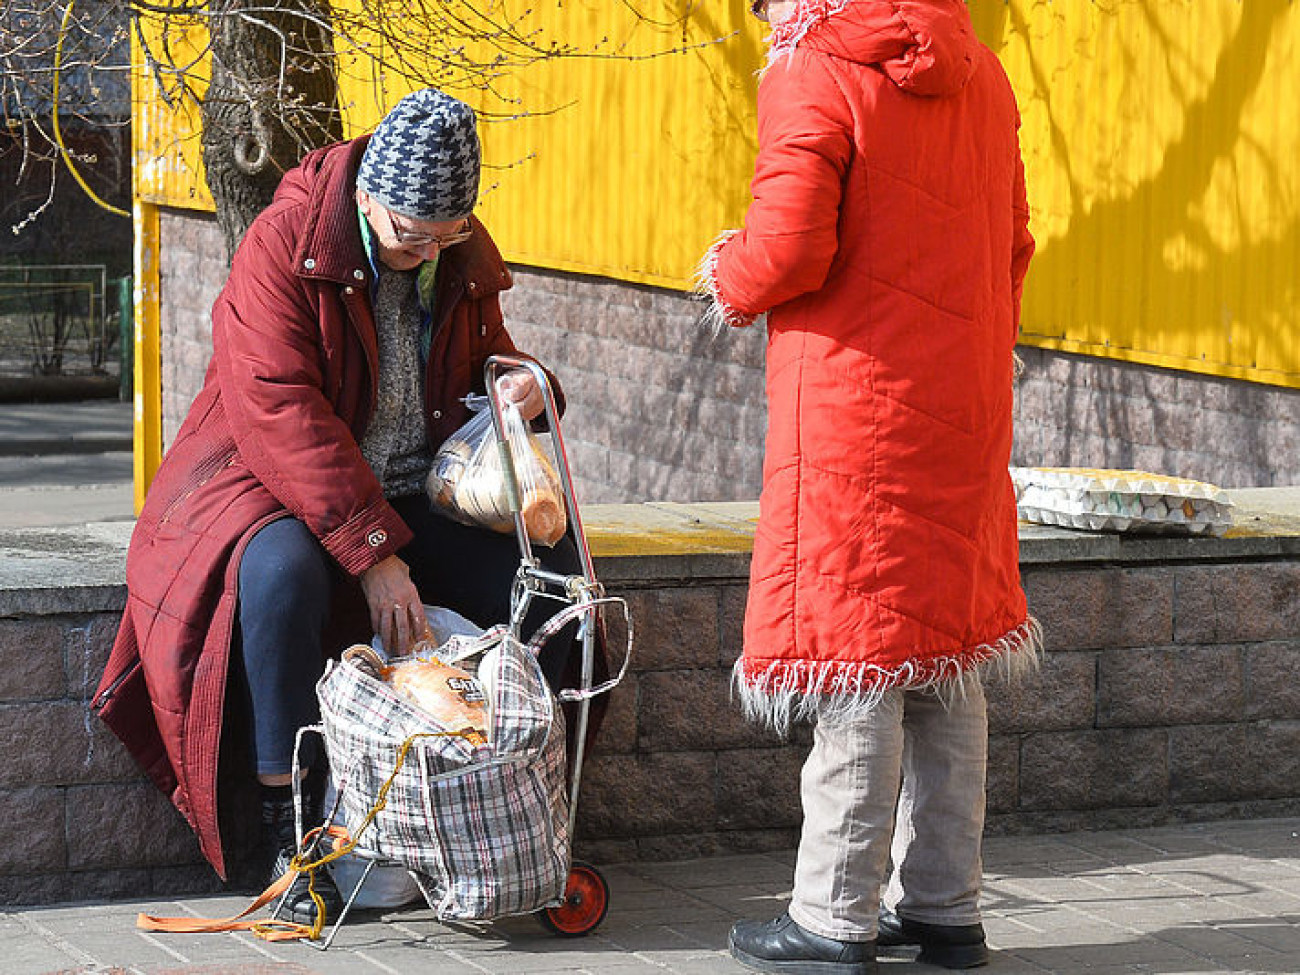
x: 1078, y: 411
x: 192, y: 269
x: 84, y: 823
x: 1168, y: 693
x: 660, y: 409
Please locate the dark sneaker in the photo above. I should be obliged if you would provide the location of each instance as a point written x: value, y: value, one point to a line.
x: 784, y: 947
x: 298, y: 904
x: 945, y: 945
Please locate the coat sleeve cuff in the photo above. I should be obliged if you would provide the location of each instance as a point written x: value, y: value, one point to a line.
x: 720, y: 313
x: 367, y: 538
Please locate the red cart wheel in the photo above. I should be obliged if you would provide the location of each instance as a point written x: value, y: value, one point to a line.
x: 586, y: 899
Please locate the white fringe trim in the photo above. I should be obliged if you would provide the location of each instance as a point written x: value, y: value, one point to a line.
x: 785, y: 37
x: 720, y: 315
x: 837, y: 691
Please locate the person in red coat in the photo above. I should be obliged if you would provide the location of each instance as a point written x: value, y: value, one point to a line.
x: 359, y: 310
x: 887, y: 244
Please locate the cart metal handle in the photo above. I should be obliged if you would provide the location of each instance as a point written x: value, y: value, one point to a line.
x: 493, y: 368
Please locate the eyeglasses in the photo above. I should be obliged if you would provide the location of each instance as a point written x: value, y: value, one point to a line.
x: 408, y: 238
x: 762, y: 9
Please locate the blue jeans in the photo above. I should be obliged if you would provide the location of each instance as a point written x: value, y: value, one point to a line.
x: 286, y: 580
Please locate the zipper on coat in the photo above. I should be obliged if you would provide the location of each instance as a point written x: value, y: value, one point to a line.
x: 107, y: 693
x: 358, y: 309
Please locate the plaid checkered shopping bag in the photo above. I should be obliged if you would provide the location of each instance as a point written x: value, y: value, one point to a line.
x: 483, y: 829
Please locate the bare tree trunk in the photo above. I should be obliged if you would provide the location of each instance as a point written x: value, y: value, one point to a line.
x: 272, y: 98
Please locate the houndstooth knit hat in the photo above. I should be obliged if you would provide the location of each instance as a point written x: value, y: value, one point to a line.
x: 423, y: 159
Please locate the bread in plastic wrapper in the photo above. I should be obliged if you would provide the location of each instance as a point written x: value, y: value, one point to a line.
x: 1120, y: 501
x: 446, y: 692
x: 467, y: 481
x: 450, y: 696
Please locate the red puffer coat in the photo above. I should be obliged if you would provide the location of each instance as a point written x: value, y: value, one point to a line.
x: 887, y: 241
x: 274, y: 432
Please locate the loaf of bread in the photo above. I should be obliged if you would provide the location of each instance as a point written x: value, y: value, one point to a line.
x: 473, y: 489
x: 544, y: 518
x: 447, y: 694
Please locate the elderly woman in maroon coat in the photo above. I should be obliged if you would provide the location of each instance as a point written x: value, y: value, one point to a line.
x: 359, y: 310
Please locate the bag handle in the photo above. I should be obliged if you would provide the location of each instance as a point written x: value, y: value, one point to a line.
x: 565, y: 616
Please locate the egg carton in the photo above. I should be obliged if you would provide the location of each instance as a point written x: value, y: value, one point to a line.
x: 1120, y: 501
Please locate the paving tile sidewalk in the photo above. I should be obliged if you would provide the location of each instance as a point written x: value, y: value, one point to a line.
x: 1205, y: 899
x: 42, y: 429
x: 65, y: 463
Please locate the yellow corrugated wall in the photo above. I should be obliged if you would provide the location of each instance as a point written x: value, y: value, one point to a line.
x: 1161, y: 139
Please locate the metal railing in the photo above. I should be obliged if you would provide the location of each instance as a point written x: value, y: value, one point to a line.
x: 59, y: 320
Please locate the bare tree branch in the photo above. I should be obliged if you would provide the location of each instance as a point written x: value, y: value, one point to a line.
x: 269, y: 69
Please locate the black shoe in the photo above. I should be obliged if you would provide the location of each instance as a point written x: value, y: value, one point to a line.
x: 298, y: 904
x: 782, y: 946
x: 945, y: 945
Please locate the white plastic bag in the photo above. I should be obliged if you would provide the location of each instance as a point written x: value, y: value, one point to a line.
x: 467, y: 482
x: 443, y: 625
x: 389, y: 884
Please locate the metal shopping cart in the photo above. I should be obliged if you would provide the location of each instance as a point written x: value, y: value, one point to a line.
x: 484, y: 828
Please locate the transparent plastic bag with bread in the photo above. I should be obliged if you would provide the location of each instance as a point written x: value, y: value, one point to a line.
x: 467, y: 482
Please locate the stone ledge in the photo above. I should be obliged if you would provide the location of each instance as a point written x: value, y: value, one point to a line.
x: 633, y: 541
x: 75, y: 569
x: 1174, y: 654
x: 82, y: 568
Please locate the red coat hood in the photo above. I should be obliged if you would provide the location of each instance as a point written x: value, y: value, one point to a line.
x: 925, y: 47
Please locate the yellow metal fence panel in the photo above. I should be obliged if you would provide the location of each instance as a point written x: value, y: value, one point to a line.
x: 643, y: 163
x: 1161, y: 141
x: 1163, y: 152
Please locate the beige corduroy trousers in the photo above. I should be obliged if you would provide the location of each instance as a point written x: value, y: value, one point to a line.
x: 903, y: 782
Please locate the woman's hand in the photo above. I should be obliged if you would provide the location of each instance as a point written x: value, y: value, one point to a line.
x: 396, y: 610
x: 520, y: 388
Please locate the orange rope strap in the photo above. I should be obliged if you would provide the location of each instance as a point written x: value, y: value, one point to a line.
x: 343, y: 844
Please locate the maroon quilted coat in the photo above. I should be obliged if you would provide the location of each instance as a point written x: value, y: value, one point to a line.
x: 274, y: 431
